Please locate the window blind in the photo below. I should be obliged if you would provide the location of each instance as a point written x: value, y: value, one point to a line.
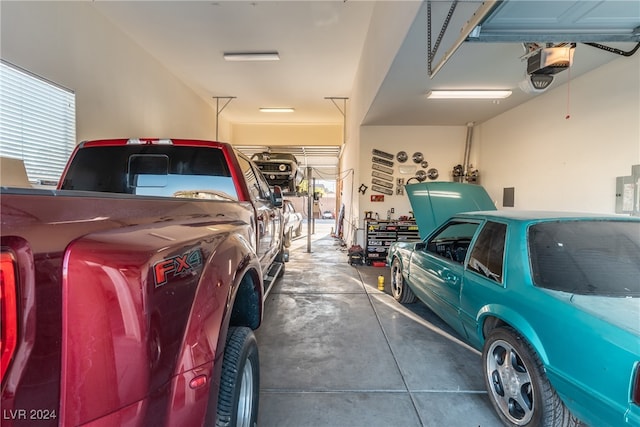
x: 37, y: 123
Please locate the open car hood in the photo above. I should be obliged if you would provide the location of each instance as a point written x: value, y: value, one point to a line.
x: 435, y: 202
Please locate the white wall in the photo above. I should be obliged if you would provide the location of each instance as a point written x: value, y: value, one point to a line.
x: 120, y: 89
x: 571, y: 164
x: 382, y: 44
x: 347, y: 186
x: 441, y: 146
x: 553, y: 162
x: 289, y: 134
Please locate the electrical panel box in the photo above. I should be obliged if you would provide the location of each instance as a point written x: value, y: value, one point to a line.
x: 628, y: 193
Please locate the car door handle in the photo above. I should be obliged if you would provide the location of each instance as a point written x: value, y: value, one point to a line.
x: 450, y: 278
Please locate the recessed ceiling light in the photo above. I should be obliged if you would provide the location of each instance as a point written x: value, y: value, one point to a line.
x: 277, y: 110
x: 468, y: 94
x: 252, y: 56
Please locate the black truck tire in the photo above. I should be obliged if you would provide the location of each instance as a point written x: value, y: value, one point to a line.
x: 240, y: 380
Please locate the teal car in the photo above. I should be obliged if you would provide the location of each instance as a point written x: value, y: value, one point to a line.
x: 551, y: 299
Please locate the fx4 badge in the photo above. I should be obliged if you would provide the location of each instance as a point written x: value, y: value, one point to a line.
x: 177, y: 266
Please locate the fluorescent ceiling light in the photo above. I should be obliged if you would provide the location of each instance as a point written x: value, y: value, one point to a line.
x: 277, y: 110
x: 468, y: 94
x: 251, y: 56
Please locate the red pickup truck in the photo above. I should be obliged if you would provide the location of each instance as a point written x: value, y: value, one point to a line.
x: 135, y: 306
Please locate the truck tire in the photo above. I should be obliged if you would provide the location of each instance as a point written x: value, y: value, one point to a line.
x: 240, y: 380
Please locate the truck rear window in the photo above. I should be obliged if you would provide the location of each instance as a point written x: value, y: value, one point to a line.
x: 587, y: 257
x: 152, y: 170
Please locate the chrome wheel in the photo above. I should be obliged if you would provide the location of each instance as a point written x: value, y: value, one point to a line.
x: 510, y: 383
x: 245, y: 399
x: 399, y: 289
x: 396, y: 280
x: 238, y: 397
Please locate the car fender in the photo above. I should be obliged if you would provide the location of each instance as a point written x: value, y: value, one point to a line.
x: 200, y: 360
x: 154, y: 303
x: 513, y: 319
x: 403, y: 251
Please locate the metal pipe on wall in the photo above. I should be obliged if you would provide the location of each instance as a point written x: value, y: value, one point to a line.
x: 309, y: 209
x: 467, y: 148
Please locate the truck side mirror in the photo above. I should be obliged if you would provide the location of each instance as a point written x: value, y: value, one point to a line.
x: 276, y: 196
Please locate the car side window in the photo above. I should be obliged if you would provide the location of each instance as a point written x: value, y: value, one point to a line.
x: 265, y: 190
x: 452, y: 241
x: 487, y: 256
x: 250, y: 178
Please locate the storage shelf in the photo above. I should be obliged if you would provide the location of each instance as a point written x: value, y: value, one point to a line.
x: 380, y: 234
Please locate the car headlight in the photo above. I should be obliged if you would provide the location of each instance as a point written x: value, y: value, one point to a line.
x: 282, y: 167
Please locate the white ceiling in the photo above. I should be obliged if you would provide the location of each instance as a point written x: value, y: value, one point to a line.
x: 496, y: 65
x: 321, y: 42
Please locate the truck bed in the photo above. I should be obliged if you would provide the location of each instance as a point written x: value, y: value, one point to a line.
x: 109, y: 284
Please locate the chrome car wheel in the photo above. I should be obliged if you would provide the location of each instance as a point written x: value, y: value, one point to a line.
x: 510, y: 381
x: 399, y: 289
x: 245, y: 399
x: 240, y: 380
x: 517, y: 385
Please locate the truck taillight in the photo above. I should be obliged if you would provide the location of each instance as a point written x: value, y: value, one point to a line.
x: 9, y: 313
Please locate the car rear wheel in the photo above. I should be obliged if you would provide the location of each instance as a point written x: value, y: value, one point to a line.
x: 517, y: 385
x: 399, y: 289
x: 240, y: 382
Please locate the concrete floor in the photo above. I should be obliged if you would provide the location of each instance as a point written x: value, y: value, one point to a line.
x: 336, y: 351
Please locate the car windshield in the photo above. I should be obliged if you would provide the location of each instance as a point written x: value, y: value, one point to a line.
x: 587, y: 257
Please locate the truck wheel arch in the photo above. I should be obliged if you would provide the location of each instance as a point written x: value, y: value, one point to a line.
x: 245, y: 309
x: 247, y: 303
